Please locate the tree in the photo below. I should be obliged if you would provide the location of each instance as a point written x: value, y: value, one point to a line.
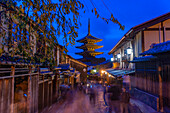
x: 43, y: 21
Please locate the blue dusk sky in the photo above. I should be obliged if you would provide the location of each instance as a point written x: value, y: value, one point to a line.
x: 129, y: 13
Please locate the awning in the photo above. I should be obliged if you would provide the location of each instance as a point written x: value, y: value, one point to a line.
x: 64, y: 66
x: 56, y: 68
x: 119, y: 73
x: 45, y: 71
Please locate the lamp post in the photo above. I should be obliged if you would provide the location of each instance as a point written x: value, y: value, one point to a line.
x: 129, y: 50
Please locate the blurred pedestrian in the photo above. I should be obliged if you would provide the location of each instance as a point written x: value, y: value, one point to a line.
x: 124, y: 102
x: 92, y: 95
x: 81, y: 86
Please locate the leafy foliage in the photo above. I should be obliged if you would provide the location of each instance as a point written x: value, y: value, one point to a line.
x: 36, y: 24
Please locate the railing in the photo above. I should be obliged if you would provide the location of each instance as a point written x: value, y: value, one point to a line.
x: 22, y: 91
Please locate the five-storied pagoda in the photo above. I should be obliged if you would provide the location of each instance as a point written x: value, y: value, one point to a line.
x: 89, y: 47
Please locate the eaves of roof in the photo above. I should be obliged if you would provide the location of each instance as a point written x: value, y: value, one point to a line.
x: 140, y: 27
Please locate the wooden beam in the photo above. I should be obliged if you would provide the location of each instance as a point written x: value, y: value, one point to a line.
x: 29, y: 98
x: 37, y: 90
x: 51, y: 92
x: 159, y: 34
x: 143, y: 41
x: 2, y: 98
x: 43, y: 94
x: 162, y: 27
x: 12, y: 89
x: 160, y: 88
x: 156, y: 29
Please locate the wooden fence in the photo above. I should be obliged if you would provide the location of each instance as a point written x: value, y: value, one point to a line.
x: 24, y: 90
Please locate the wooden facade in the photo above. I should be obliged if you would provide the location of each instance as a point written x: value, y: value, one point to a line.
x: 151, y: 78
x: 152, y: 74
x: 139, y: 39
x: 24, y: 89
x: 78, y: 66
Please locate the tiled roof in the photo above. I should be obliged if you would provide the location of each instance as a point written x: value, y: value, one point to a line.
x: 89, y: 52
x: 89, y: 46
x: 90, y: 64
x: 139, y: 27
x: 89, y: 37
x: 64, y: 66
x: 118, y: 72
x: 144, y: 58
x: 158, y: 48
x: 6, y: 59
x: 105, y: 62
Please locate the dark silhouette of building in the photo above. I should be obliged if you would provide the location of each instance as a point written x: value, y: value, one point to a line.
x: 89, y: 47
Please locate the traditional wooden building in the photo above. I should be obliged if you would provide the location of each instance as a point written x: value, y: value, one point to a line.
x: 152, y: 75
x: 80, y: 69
x: 145, y: 78
x: 139, y: 39
x: 26, y: 85
x: 89, y: 47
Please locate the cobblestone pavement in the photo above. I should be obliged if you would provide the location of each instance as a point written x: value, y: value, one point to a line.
x: 78, y: 102
x: 100, y: 103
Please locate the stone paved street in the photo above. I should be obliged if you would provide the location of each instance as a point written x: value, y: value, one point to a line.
x: 78, y: 102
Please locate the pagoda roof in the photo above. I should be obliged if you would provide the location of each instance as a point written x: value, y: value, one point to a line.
x: 95, y: 46
x: 90, y: 53
x: 89, y: 37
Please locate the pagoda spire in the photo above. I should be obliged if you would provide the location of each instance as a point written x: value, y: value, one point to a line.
x: 89, y: 26
x: 89, y: 47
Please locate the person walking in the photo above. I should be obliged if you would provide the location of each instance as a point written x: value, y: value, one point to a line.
x: 92, y: 95
x: 124, y: 102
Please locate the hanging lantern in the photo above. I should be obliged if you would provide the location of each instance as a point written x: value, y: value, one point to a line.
x: 118, y: 56
x: 129, y: 50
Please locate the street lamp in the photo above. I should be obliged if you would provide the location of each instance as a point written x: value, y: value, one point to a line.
x: 84, y: 69
x: 102, y: 71
x: 118, y: 55
x: 95, y: 70
x: 129, y: 50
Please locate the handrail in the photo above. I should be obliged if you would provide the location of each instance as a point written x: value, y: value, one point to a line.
x: 41, y: 81
x: 21, y: 71
x: 5, y: 71
x: 20, y: 68
x: 5, y: 77
x: 5, y: 68
x: 25, y: 74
